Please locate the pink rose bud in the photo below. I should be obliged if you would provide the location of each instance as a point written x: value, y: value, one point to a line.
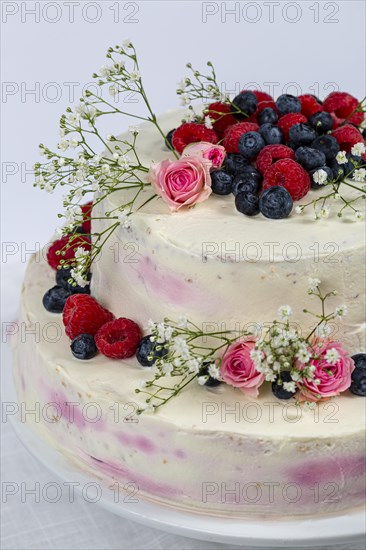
x: 215, y: 153
x: 237, y: 368
x: 333, y: 369
x: 183, y: 182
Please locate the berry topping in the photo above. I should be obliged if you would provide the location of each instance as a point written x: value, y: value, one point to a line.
x: 286, y: 122
x: 309, y: 158
x: 277, y: 386
x: 244, y: 105
x: 63, y: 276
x: 275, y: 203
x: 290, y: 175
x: 328, y: 145
x: 118, y: 339
x: 271, y: 134
x: 169, y: 137
x: 220, y: 114
x: 322, y: 122
x: 343, y: 105
x: 64, y: 249
x: 287, y: 103
x: 301, y: 134
x: 190, y: 132
x: 272, y: 153
x: 234, y: 163
x: 309, y: 105
x: 83, y: 346
x: 234, y: 133
x: 358, y: 376
x: 221, y: 182
x: 54, y: 300
x: 148, y: 352
x: 267, y: 115
x: 250, y: 144
x: 247, y: 203
x: 317, y: 176
x: 249, y: 176
x: 83, y: 314
x: 347, y: 136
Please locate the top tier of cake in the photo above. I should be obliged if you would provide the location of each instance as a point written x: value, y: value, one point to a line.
x: 221, y: 268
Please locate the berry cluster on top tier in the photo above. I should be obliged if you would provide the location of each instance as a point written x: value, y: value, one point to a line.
x: 277, y: 150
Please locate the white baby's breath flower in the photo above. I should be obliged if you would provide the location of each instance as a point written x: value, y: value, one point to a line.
x: 127, y: 43
x: 284, y: 312
x: 63, y: 145
x: 289, y: 386
x: 323, y: 330
x: 189, y: 115
x: 358, y: 149
x: 113, y: 90
x: 320, y: 176
x: 202, y: 379
x: 359, y: 175
x: 184, y: 99
x: 332, y: 356
x: 214, y: 371
x: 133, y: 130
x: 299, y: 209
x: 313, y: 284
x: 168, y: 368
x: 324, y: 212
x: 182, y: 321
x: 135, y: 76
x: 208, y: 123
x: 341, y: 311
x: 61, y: 161
x: 341, y: 157
x: 358, y: 215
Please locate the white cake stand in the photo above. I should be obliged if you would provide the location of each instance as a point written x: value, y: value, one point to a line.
x: 258, y: 533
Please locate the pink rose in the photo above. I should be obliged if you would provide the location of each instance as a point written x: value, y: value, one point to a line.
x: 183, y: 182
x: 215, y: 153
x: 238, y: 370
x: 333, y: 369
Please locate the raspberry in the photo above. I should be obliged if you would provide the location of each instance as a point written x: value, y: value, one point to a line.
x: 287, y: 121
x: 84, y: 315
x: 221, y: 121
x: 190, y: 132
x: 343, y: 105
x: 233, y: 133
x: 270, y: 154
x: 66, y: 246
x: 309, y: 105
x: 86, y: 209
x: 290, y: 175
x: 118, y: 339
x: 265, y: 103
x: 347, y: 136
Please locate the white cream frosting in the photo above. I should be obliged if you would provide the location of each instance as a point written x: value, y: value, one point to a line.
x: 204, y: 442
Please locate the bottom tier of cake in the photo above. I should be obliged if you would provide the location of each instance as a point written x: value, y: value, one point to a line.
x: 211, y: 451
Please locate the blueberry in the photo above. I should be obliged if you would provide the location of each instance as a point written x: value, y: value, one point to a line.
x: 287, y: 103
x: 328, y: 145
x: 244, y: 105
x: 358, y: 376
x: 337, y: 169
x: 83, y: 346
x: 222, y: 182
x: 364, y: 133
x: 353, y: 163
x: 278, y: 389
x: 249, y: 186
x: 268, y: 115
x: 234, y: 163
x: 276, y: 203
x: 271, y: 134
x: 168, y: 139
x: 250, y: 144
x: 322, y: 122
x: 301, y: 134
x: 62, y: 277
x: 309, y: 158
x: 210, y: 382
x: 55, y: 298
x: 148, y: 352
x: 316, y: 185
x: 247, y: 203
x: 249, y: 175
x: 79, y: 231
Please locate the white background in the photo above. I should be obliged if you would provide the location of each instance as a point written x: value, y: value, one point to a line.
x: 49, y: 51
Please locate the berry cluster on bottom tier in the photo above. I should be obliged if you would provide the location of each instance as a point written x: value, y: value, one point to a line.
x: 289, y: 146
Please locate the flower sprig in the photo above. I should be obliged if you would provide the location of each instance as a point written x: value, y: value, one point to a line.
x: 182, y: 353
x: 354, y: 178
